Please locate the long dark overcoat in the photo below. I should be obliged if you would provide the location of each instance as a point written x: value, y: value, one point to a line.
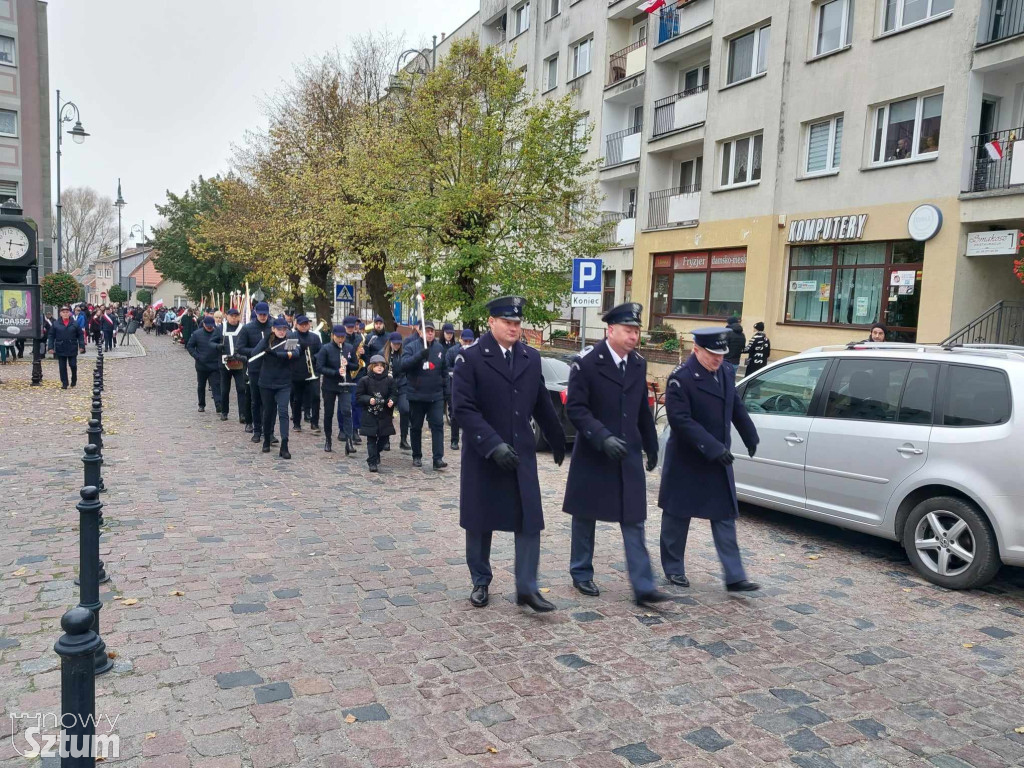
x: 493, y: 406
x: 602, y: 403
x: 700, y: 412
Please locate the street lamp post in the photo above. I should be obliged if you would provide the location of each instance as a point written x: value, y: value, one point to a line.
x: 119, y: 204
x: 430, y: 63
x: 142, y: 233
x: 78, y: 134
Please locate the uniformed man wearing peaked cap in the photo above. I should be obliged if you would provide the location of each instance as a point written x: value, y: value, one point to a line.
x: 496, y: 388
x: 697, y: 476
x: 607, y: 402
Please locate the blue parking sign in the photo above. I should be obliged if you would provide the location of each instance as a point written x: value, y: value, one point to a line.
x: 586, y: 275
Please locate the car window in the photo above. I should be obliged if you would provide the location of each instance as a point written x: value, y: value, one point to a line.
x: 555, y: 371
x: 976, y: 397
x: 919, y: 394
x: 786, y: 388
x: 866, y: 390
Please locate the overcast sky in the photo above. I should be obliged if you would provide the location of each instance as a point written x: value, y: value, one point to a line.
x: 165, y: 86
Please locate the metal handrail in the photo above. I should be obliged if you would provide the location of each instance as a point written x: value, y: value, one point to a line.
x: 1007, y: 20
x: 1002, y: 323
x: 617, y: 61
x: 668, y: 21
x: 613, y: 144
x: 664, y: 118
x: 993, y: 173
x: 657, y: 211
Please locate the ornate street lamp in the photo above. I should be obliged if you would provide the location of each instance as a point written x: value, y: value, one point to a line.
x: 78, y: 134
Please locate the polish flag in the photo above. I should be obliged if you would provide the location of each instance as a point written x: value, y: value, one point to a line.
x: 650, y: 6
x: 994, y: 149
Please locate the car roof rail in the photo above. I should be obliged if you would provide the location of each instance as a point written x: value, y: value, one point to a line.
x: 898, y: 346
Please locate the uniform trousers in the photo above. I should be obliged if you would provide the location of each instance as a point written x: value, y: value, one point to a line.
x: 344, y: 400
x: 374, y: 445
x: 638, y: 562
x: 255, y: 403
x: 275, y: 402
x: 302, y: 401
x: 478, y: 558
x: 403, y: 416
x: 213, y: 378
x: 66, y: 362
x: 434, y: 414
x: 453, y: 424
x: 241, y: 393
x: 674, y: 531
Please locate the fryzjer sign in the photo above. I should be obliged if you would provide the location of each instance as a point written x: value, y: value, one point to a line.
x: 828, y: 228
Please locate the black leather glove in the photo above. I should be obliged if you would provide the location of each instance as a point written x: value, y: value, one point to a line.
x: 652, y: 461
x: 614, y: 448
x: 505, y: 456
x: 752, y: 451
x: 726, y: 458
x: 424, y: 354
x: 558, y: 453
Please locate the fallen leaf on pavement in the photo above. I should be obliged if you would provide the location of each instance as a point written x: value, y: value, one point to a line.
x: 177, y: 593
x: 492, y: 750
x: 111, y: 654
x: 968, y: 645
x: 129, y: 601
x: 350, y: 718
x: 1019, y: 729
x: 906, y: 589
x: 150, y: 735
x: 19, y: 572
x: 813, y: 557
x: 545, y: 590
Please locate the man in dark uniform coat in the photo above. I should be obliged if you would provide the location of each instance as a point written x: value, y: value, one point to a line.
x: 377, y: 339
x: 336, y: 361
x: 607, y: 402
x: 466, y: 339
x: 497, y: 387
x: 229, y: 332
x: 697, y: 478
x: 355, y: 339
x: 66, y: 339
x: 306, y: 390
x: 205, y: 346
x: 252, y: 333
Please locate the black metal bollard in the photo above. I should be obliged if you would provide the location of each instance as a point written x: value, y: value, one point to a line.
x: 93, y: 461
x: 90, y: 570
x: 97, y: 407
x: 77, y: 649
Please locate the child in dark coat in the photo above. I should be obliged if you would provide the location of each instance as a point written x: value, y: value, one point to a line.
x: 376, y: 393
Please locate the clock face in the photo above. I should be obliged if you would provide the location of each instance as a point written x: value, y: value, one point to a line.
x: 14, y: 243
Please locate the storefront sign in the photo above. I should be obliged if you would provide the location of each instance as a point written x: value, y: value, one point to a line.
x: 830, y: 228
x: 685, y: 261
x: 925, y: 222
x: 798, y: 286
x: 1005, y: 242
x: 824, y: 292
x: 725, y: 260
x: 902, y: 278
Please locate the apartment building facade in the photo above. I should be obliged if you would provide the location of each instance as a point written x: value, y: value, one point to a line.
x: 25, y: 116
x: 818, y: 165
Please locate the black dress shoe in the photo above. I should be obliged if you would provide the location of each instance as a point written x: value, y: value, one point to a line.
x: 588, y: 588
x: 652, y: 597
x: 248, y: 428
x: 440, y: 464
x: 479, y: 597
x: 274, y: 441
x: 678, y: 579
x: 241, y: 419
x: 314, y: 429
x: 223, y: 417
x: 455, y: 446
x: 417, y: 462
x: 356, y: 439
x: 327, y: 444
x: 404, y: 445
x: 535, y: 601
x: 202, y: 409
x: 373, y: 468
x: 256, y: 437
x: 297, y: 427
x: 742, y: 586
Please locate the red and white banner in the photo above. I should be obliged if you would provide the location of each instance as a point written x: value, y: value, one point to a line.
x: 651, y: 6
x: 994, y: 149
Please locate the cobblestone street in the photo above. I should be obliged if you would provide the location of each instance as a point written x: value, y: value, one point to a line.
x: 307, y: 613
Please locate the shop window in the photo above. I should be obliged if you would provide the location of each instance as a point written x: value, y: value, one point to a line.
x: 608, y: 292
x: 857, y: 284
x: 699, y: 284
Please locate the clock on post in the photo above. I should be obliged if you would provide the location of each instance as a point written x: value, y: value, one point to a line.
x: 20, y: 301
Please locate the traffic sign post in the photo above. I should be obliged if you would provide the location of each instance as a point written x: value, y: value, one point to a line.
x: 587, y: 278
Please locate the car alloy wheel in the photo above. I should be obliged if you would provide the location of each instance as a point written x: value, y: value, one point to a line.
x: 944, y: 543
x: 950, y: 542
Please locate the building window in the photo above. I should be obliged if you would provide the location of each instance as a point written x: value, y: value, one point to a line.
x: 699, y: 284
x: 8, y: 191
x: 581, y: 58
x: 550, y: 73
x: 824, y: 146
x: 522, y: 89
x: 908, y: 129
x: 7, y: 50
x: 741, y: 161
x: 857, y: 284
x: 748, y: 54
x: 180, y: 301
x: 834, y: 30
x: 898, y: 14
x: 627, y: 285
x: 520, y: 19
x: 556, y: 8
x: 579, y: 133
x: 608, y: 291
x: 8, y: 122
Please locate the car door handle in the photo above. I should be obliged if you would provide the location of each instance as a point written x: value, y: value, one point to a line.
x: 793, y: 439
x: 909, y: 450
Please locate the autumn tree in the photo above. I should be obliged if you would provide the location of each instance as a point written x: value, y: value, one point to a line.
x: 492, y: 191
x: 88, y: 226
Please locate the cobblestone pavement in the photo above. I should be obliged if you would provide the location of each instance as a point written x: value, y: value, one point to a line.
x: 275, y: 599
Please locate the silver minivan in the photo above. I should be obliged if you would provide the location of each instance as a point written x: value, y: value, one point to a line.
x: 918, y: 444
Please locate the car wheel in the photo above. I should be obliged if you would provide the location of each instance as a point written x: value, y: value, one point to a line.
x: 950, y: 543
x: 538, y: 437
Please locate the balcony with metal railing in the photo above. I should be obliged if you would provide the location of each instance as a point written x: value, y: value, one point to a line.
x: 1001, y: 19
x: 622, y: 146
x: 675, y: 207
x: 621, y: 227
x: 998, y: 161
x: 680, y: 110
x: 678, y: 18
x: 628, y: 62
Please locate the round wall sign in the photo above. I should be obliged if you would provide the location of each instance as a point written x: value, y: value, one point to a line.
x: 924, y: 223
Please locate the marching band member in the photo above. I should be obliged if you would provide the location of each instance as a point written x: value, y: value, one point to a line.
x: 252, y: 333
x: 336, y: 361
x: 306, y: 377
x: 276, y: 381
x: 233, y: 368
x: 376, y: 393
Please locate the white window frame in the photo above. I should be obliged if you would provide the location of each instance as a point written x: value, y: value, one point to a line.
x: 550, y: 73
x: 579, y: 130
x: 831, y: 168
x: 14, y: 52
x: 845, y: 31
x: 899, y: 25
x: 755, y: 54
x: 555, y: 8
x: 732, y: 160
x: 575, y: 59
x: 10, y: 190
x: 883, y: 111
x: 16, y: 123
x: 519, y: 13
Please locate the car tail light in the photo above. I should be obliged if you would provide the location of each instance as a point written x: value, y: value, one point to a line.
x: 650, y: 401
x: 564, y: 394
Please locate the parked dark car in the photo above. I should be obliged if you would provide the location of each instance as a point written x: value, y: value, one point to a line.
x: 556, y: 379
